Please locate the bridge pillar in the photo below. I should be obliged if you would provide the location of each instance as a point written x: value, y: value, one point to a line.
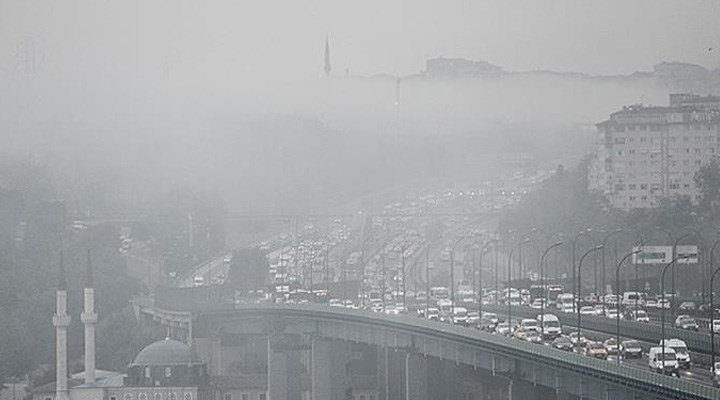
x: 284, y: 368
x: 416, y: 383
x: 328, y: 371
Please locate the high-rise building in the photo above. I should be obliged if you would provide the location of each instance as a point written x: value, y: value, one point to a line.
x: 644, y: 154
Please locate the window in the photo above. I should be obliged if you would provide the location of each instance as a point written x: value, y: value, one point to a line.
x: 362, y: 397
x: 147, y: 372
x: 111, y: 398
x: 643, y: 186
x: 142, y: 396
x: 674, y: 186
x: 632, y: 186
x: 227, y: 396
x: 158, y: 396
x: 686, y: 186
x: 619, y: 187
x: 263, y: 396
x: 172, y: 396
x: 619, y: 140
x: 188, y: 396
x: 643, y: 198
x: 244, y: 396
x: 128, y: 396
x: 168, y: 372
x: 642, y: 140
x: 632, y: 198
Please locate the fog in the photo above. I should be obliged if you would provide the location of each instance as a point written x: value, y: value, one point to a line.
x: 137, y: 98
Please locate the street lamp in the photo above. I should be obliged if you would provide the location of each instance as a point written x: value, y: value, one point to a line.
x: 574, y: 243
x: 672, y: 273
x: 604, y: 243
x: 662, y: 307
x: 596, y: 248
x: 362, y: 270
x: 542, y: 286
x: 617, y: 290
x: 452, y: 274
x: 712, y: 306
x: 509, y: 277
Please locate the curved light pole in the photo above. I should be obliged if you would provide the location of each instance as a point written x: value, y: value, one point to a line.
x: 662, y: 308
x: 701, y: 257
x: 604, y: 244
x: 452, y: 274
x: 542, y: 286
x: 362, y: 270
x: 712, y: 306
x: 509, y: 277
x: 673, y: 303
x: 596, y: 248
x: 617, y: 289
x: 574, y: 244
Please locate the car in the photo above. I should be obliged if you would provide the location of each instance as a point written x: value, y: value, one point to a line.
x: 537, y: 304
x: 687, y: 306
x: 640, y: 316
x: 686, y: 322
x: 530, y: 324
x: 587, y: 310
x: 433, y: 314
x: 663, y: 303
x: 473, y: 318
x: 667, y: 365
x: 198, y: 281
x: 650, y: 303
x: 716, y: 325
x: 335, y: 303
x: 459, y: 316
x: 596, y: 350
x: 503, y: 328
x: 611, y: 313
x: 715, y: 371
x: 611, y: 345
x: 630, y: 349
x: 599, y: 309
x: 532, y: 336
x: 577, y: 340
x: 562, y: 343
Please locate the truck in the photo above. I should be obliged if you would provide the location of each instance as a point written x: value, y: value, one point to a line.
x: 565, y: 302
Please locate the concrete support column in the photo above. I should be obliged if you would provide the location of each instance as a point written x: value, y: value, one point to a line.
x: 416, y: 377
x: 321, y: 385
x: 284, y: 368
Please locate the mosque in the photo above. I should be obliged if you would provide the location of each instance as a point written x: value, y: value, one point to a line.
x: 164, y: 370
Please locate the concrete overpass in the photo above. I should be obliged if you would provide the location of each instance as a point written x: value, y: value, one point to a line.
x: 522, y: 370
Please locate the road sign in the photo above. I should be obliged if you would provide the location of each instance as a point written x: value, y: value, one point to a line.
x: 687, y: 251
x: 652, y: 255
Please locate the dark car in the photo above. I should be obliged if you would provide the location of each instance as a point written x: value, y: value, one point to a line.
x: 630, y: 349
x: 562, y: 343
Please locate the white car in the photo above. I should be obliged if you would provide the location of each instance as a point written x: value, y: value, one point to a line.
x: 587, y: 310
x: 716, y: 325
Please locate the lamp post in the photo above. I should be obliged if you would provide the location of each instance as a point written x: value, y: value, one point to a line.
x: 579, y: 293
x: 604, y: 243
x: 402, y: 266
x: 672, y: 273
x: 452, y: 274
x: 574, y: 244
x: 617, y: 289
x: 427, y: 280
x: 701, y: 258
x: 362, y: 270
x: 712, y: 305
x: 542, y: 286
x: 509, y: 278
x: 662, y: 308
x: 384, y: 278
x: 497, y: 250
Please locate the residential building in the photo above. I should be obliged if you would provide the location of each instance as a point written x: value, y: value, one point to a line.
x: 644, y: 154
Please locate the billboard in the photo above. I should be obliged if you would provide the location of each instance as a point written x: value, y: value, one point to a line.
x: 653, y: 255
x: 687, y: 251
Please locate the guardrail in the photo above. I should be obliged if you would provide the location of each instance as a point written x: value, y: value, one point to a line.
x: 696, y: 341
x: 628, y: 377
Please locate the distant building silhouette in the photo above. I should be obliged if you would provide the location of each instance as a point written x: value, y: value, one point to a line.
x: 459, y: 68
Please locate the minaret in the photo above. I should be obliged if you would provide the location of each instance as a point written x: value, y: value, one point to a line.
x: 61, y: 321
x: 89, y: 318
x: 327, y: 68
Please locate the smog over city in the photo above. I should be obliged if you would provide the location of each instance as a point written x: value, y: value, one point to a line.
x: 378, y: 200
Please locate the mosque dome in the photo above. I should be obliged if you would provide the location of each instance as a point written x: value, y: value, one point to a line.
x: 166, y: 352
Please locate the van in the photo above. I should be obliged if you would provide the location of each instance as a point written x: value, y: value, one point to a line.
x: 632, y: 299
x: 565, y: 302
x: 198, y: 281
x: 551, y: 328
x: 668, y: 366
x: 460, y: 316
x: 681, y: 351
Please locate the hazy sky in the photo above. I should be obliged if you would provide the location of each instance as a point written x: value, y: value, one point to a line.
x: 369, y: 36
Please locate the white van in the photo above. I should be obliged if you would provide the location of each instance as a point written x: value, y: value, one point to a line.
x: 565, y: 302
x: 551, y: 328
x: 667, y: 366
x: 681, y: 351
x: 632, y: 299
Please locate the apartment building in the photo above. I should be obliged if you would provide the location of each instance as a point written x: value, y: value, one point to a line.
x: 644, y: 154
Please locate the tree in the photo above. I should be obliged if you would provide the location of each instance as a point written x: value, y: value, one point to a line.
x: 707, y: 179
x: 248, y: 269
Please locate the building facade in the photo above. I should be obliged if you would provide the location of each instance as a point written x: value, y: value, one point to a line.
x: 645, y: 154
